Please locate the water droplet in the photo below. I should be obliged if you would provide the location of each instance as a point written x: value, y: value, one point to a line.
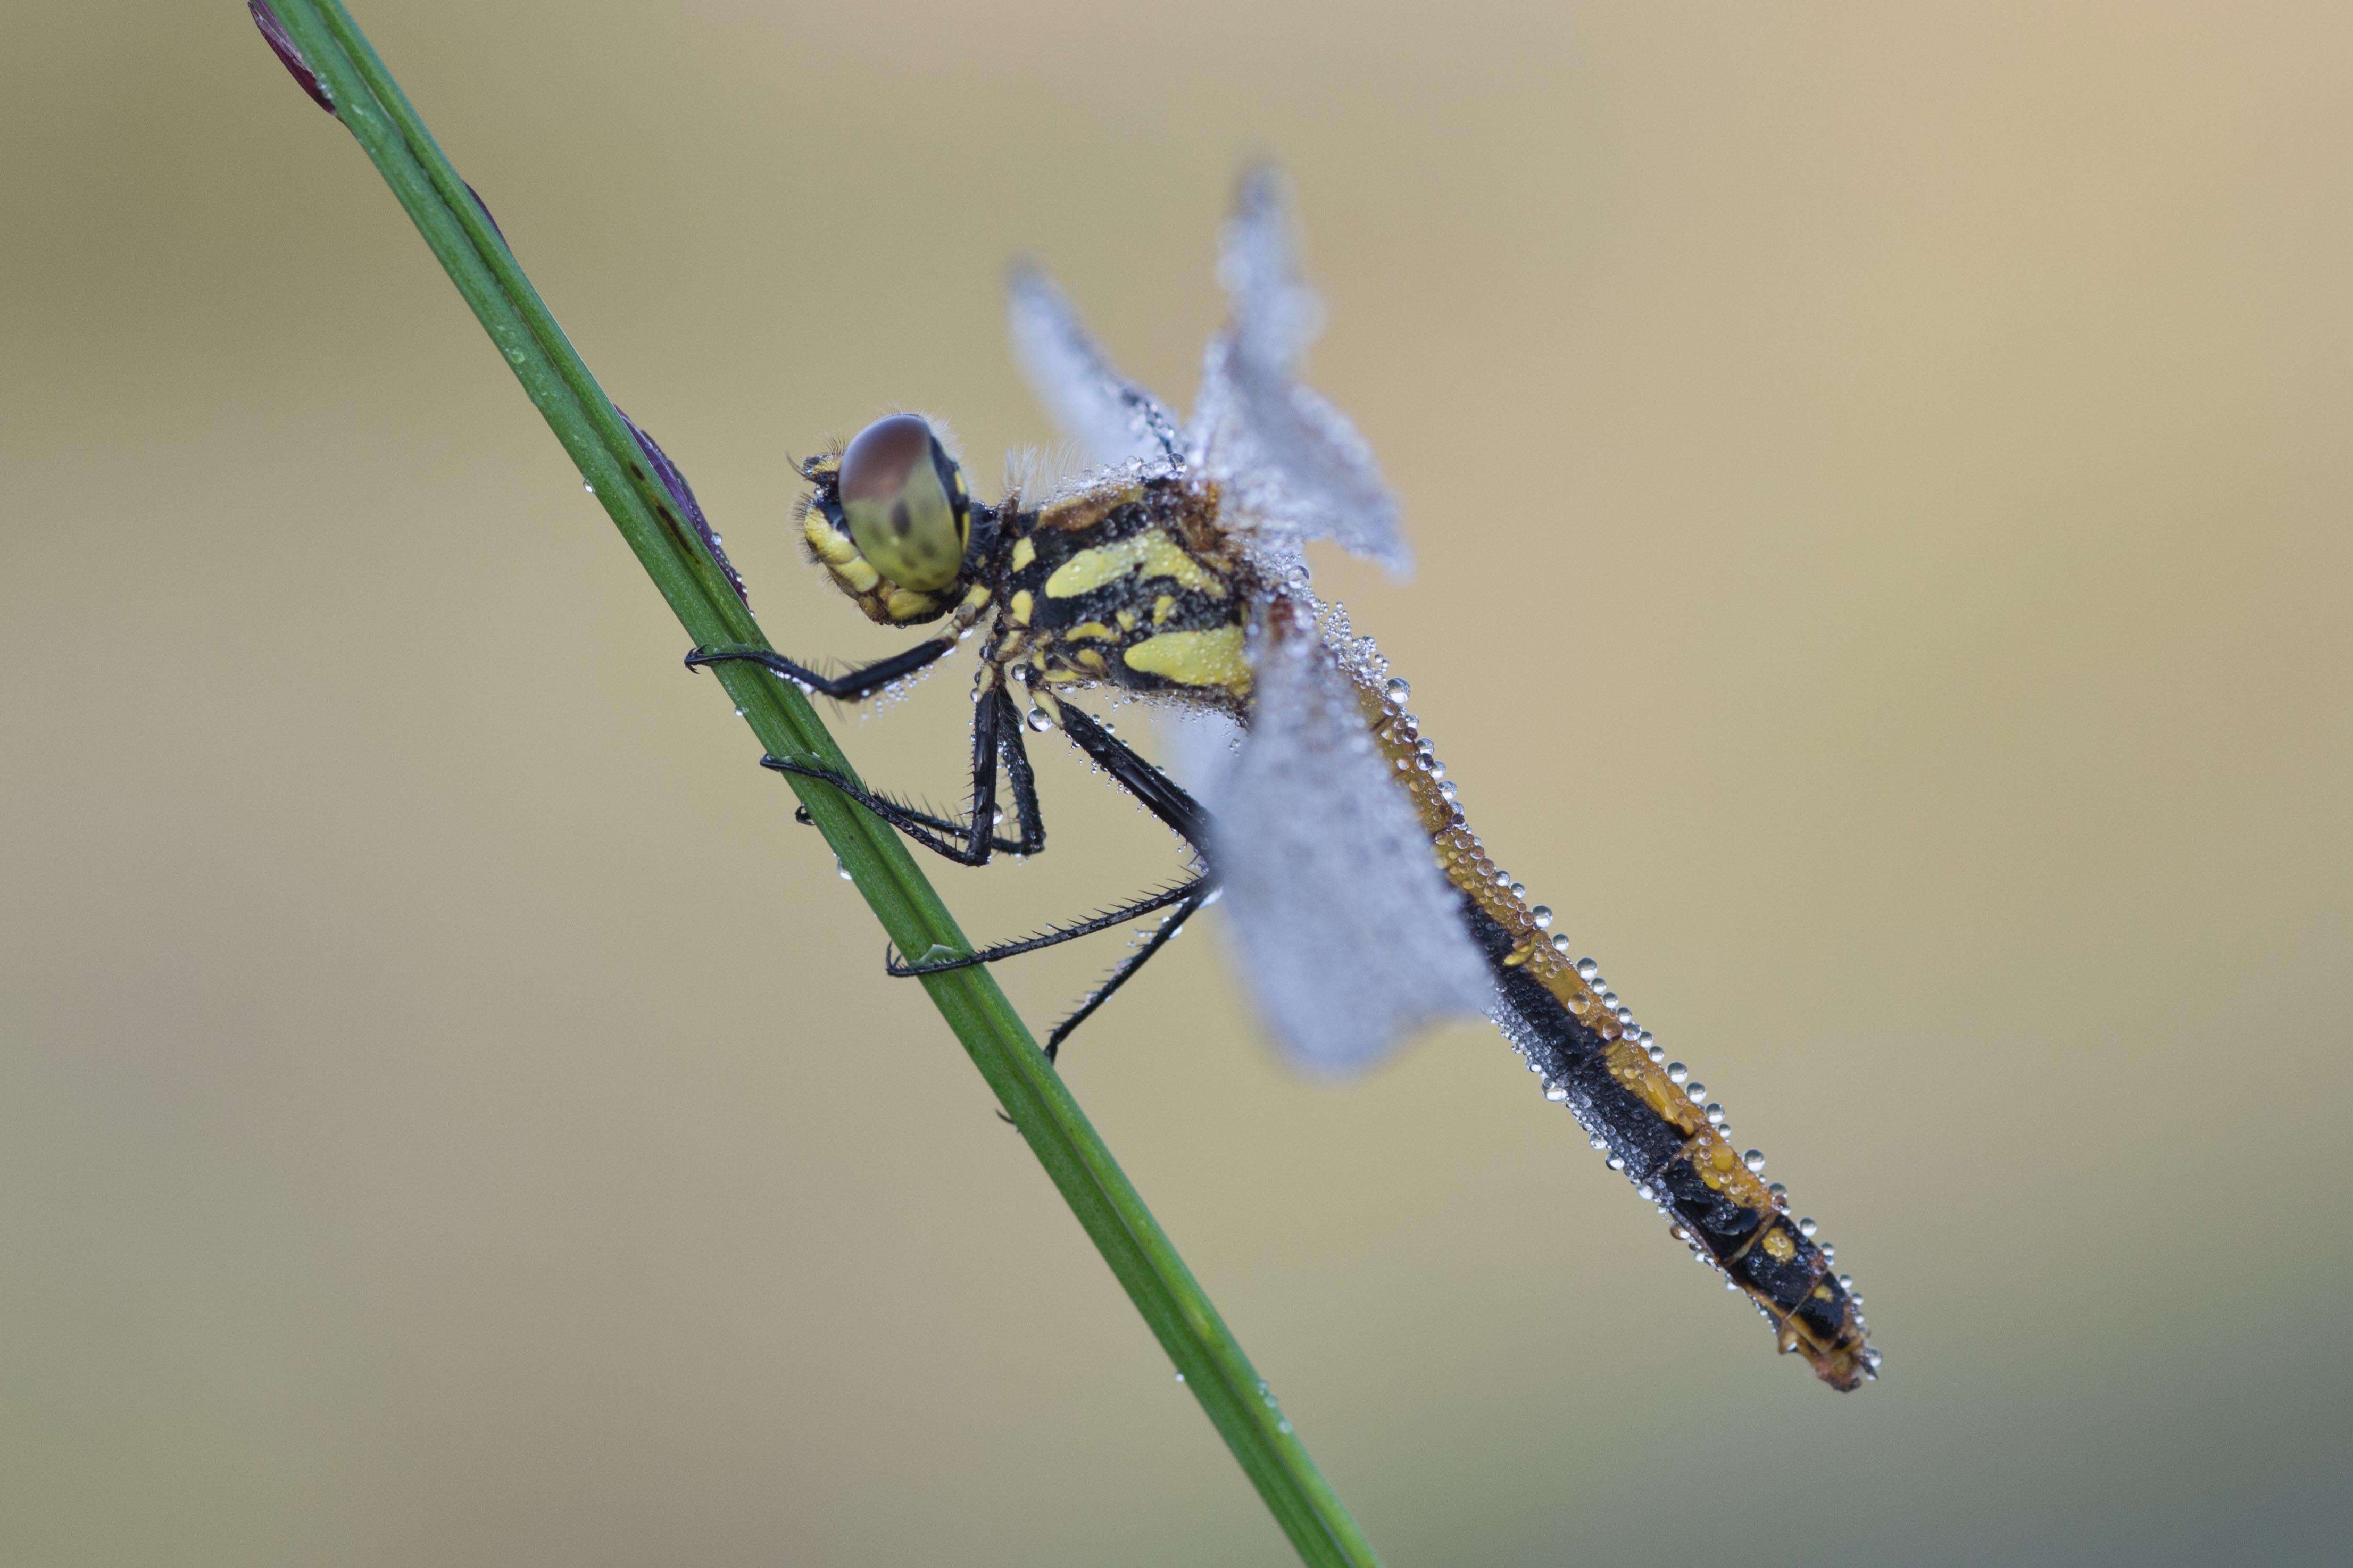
x: 1617, y: 1161
x: 1041, y: 720
x: 1656, y: 1053
x: 1180, y: 1377
x: 1395, y: 693
x: 1696, y: 1090
x: 1754, y: 1158
x: 1588, y: 969
x: 1437, y: 769
x: 1678, y: 1074
x: 1556, y: 1092
x: 1805, y: 1227
x: 1447, y: 791
x: 1503, y: 878
x: 1597, y: 1142
x: 841, y: 867
x: 1846, y: 1282
x: 1542, y: 915
x: 1830, y: 1253
x: 1560, y: 944
x: 1776, y: 1191
x: 1714, y: 1112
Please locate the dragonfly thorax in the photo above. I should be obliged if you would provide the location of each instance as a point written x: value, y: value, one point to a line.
x: 1132, y: 583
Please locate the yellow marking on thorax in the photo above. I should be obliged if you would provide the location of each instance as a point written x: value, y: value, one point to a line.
x: 1152, y: 550
x: 1086, y: 629
x: 1025, y: 551
x: 1212, y: 657
x: 1127, y: 619
x: 1022, y: 604
x: 1162, y: 608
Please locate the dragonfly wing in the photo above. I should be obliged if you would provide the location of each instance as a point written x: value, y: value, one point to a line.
x: 1289, y: 461
x: 1116, y: 421
x: 1348, y: 936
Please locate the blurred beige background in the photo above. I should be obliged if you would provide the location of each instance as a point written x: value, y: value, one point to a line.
x: 449, y: 1113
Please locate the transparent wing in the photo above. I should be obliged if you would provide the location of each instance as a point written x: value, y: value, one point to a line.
x: 1348, y: 937
x: 1290, y: 462
x: 1112, y: 418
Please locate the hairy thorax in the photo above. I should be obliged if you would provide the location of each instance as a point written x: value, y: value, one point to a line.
x: 1131, y: 586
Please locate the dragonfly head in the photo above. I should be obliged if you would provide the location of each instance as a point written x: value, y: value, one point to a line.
x: 892, y: 520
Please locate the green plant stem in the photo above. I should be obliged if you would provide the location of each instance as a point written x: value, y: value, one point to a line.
x: 370, y: 104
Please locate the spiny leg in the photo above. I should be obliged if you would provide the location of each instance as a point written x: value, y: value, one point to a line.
x: 1053, y: 936
x: 1023, y: 782
x: 1159, y: 795
x: 1019, y: 777
x: 1165, y: 799
x: 1154, y: 790
x: 1161, y: 936
x: 858, y: 684
x: 854, y: 684
x: 991, y: 734
x: 996, y: 732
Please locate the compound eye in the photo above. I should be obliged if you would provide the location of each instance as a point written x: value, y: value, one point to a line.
x: 904, y: 503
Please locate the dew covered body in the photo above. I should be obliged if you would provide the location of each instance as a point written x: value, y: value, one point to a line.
x: 1133, y: 585
x: 1639, y: 1110
x: 1364, y: 907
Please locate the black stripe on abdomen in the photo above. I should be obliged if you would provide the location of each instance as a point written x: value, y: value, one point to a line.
x: 1784, y: 1272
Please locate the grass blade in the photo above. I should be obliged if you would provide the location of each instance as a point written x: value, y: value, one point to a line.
x: 324, y: 49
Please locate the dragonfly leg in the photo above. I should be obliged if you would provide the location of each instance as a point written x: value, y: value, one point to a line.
x: 1192, y: 889
x: 854, y: 684
x: 1162, y: 934
x: 1023, y: 782
x: 1165, y: 799
x: 1154, y: 790
x: 995, y: 731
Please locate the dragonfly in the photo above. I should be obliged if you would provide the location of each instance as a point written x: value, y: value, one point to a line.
x: 1364, y: 910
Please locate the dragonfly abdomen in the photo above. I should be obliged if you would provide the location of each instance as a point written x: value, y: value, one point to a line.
x: 1651, y: 1120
